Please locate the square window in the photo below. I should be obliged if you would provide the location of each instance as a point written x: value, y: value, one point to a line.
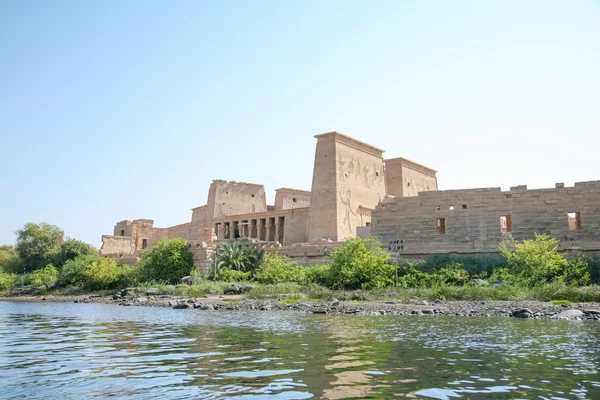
x: 294, y: 199
x: 464, y: 206
x: 505, y: 223
x: 144, y: 243
x: 574, y: 219
x: 122, y: 232
x: 451, y: 208
x: 441, y: 225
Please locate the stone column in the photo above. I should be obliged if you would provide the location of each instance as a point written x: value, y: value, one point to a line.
x: 277, y: 230
x: 268, y: 225
x: 258, y: 228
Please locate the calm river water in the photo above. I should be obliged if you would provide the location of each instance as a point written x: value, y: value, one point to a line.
x: 81, y: 351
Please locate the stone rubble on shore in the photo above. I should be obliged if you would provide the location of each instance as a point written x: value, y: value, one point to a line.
x: 151, y: 297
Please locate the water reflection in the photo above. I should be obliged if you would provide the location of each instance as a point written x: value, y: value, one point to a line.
x: 97, y: 351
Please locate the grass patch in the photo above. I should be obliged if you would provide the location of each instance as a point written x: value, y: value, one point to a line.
x: 560, y: 302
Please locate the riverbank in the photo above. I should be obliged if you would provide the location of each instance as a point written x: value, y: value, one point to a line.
x: 514, y: 309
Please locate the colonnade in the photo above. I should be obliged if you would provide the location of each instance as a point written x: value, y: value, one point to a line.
x: 268, y: 229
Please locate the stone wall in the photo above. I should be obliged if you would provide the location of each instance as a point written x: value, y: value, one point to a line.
x: 199, y: 220
x: 407, y: 178
x: 477, y: 220
x: 286, y: 199
x: 234, y: 198
x: 305, y: 254
x: 296, y: 222
x: 116, y: 246
x: 177, y: 231
x: 348, y: 176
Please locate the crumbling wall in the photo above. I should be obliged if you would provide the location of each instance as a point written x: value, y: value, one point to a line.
x: 199, y: 221
x: 116, y: 246
x: 473, y: 220
x: 177, y: 231
x: 286, y: 199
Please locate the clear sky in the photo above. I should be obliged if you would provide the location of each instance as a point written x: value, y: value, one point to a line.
x: 113, y: 110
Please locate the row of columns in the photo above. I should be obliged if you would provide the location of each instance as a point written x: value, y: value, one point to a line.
x: 226, y: 230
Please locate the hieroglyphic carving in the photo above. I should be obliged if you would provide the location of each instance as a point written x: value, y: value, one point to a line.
x: 347, y: 202
x: 341, y: 163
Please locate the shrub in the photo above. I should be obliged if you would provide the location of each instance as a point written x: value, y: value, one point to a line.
x: 7, y: 280
x: 238, y: 257
x: 70, y: 249
x: 39, y: 244
x: 168, y: 260
x: 477, y: 265
x: 44, y: 278
x: 277, y: 269
x: 318, y: 274
x: 361, y: 264
x: 594, y: 263
x: 534, y: 261
x: 576, y: 272
x: 105, y: 273
x: 232, y: 275
x: 10, y: 261
x: 73, y: 272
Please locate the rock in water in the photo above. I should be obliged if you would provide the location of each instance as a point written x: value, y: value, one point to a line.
x: 522, y: 313
x: 207, y: 307
x: 570, y: 314
x: 592, y: 312
x: 181, y: 306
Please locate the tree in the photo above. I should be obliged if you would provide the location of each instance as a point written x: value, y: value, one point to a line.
x: 73, y: 248
x: 534, y: 261
x: 168, y: 260
x: 361, y: 264
x: 39, y: 244
x: 10, y: 261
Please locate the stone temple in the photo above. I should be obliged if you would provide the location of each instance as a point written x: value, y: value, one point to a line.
x: 356, y: 192
x: 349, y: 179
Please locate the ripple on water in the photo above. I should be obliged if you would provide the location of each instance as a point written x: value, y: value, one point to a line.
x: 73, y: 351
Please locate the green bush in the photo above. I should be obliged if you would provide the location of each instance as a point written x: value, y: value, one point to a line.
x: 318, y: 274
x: 476, y: 265
x: 594, y: 263
x: 70, y: 249
x: 106, y: 273
x: 278, y: 269
x: 73, y: 272
x: 39, y: 244
x: 361, y: 264
x: 576, y: 272
x: 535, y: 261
x: 232, y: 275
x: 169, y: 260
x: 7, y: 281
x: 44, y: 278
x: 10, y: 261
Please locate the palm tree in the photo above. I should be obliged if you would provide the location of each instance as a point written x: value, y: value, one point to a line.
x: 237, y: 256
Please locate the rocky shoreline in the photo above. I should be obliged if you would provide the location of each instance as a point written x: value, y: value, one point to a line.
x: 512, y: 309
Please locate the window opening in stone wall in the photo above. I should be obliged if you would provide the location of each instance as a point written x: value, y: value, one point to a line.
x: 252, y: 195
x: 441, y: 225
x: 367, y: 224
x: 574, y: 221
x: 122, y: 232
x: 294, y: 199
x: 438, y: 208
x: 144, y: 243
x: 505, y: 223
x: 408, y: 184
x: 451, y: 208
x: 464, y: 206
x: 376, y: 173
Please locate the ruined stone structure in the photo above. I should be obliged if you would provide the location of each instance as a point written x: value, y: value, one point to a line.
x: 349, y: 179
x: 355, y: 192
x: 478, y: 220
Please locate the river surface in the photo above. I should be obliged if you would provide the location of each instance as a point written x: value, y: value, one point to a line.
x: 83, y: 351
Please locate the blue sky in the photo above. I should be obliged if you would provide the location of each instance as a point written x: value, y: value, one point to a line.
x: 113, y: 110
